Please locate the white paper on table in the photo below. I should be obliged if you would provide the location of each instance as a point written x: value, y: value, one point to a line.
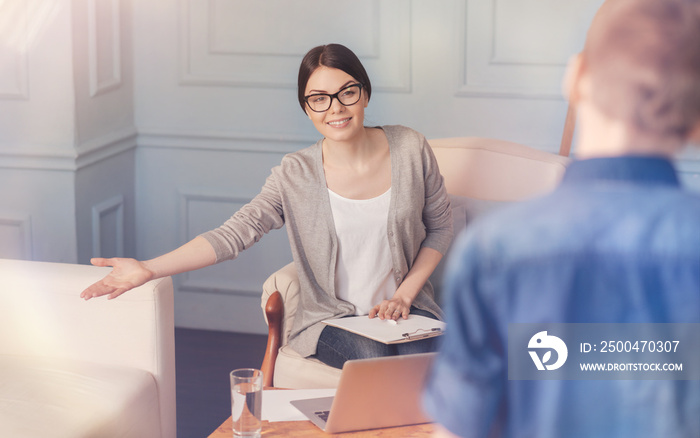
x: 276, y: 406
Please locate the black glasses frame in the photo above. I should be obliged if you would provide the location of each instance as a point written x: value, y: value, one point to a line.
x: 333, y: 96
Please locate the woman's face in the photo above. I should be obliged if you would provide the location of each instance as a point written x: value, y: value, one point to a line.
x: 339, y: 122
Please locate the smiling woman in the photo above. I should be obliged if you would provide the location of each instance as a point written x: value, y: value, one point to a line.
x: 339, y: 119
x: 366, y: 212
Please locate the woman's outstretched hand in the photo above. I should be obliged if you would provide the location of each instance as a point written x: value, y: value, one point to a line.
x: 126, y: 274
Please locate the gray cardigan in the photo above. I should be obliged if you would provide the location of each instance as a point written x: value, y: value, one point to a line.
x: 296, y: 194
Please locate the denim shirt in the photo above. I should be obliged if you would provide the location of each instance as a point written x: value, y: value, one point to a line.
x: 617, y: 242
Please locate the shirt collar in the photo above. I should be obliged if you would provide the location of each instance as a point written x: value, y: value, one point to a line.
x: 637, y: 169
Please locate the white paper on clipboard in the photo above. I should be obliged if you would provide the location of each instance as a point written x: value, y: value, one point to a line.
x: 405, y: 330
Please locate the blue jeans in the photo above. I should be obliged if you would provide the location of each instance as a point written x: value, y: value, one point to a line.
x: 336, y: 345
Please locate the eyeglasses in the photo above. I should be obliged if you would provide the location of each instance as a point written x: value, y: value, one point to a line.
x: 321, y: 102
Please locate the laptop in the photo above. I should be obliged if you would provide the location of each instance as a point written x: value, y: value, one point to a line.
x: 373, y: 393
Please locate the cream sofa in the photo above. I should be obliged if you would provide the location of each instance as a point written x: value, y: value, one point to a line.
x: 73, y: 368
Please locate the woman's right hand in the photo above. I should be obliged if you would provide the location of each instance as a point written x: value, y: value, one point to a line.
x: 126, y: 275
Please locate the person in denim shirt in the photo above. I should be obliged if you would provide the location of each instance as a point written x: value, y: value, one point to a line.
x: 617, y: 242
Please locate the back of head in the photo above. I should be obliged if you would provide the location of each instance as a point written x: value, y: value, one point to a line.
x: 643, y: 57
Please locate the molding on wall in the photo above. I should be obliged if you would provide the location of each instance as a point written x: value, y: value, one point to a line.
x: 497, y: 58
x: 22, y: 222
x: 32, y: 158
x: 225, y: 141
x: 214, y: 47
x: 69, y: 159
x: 489, y: 63
x: 105, y: 147
x: 203, y: 61
x: 16, y: 38
x: 114, y: 205
x: 187, y: 283
x: 506, y: 93
x: 100, y: 85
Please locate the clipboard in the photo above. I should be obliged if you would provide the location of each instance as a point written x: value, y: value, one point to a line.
x: 405, y: 330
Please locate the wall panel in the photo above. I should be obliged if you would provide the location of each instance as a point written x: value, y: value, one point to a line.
x: 105, y: 201
x: 189, y: 185
x: 104, y: 45
x: 15, y: 236
x: 108, y: 228
x: 220, y: 47
x: 35, y: 77
x: 511, y: 48
x: 244, y: 276
x: 14, y: 31
x: 105, y: 130
x: 37, y: 212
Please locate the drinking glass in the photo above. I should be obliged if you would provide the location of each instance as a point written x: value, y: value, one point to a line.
x: 246, y: 402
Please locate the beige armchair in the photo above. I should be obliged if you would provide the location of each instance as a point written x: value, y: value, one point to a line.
x: 480, y: 174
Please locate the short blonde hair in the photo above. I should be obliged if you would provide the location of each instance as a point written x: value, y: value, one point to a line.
x: 643, y: 57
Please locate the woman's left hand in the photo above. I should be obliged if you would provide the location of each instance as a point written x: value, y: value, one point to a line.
x: 394, y: 308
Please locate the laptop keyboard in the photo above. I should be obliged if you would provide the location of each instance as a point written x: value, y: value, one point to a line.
x: 323, y: 415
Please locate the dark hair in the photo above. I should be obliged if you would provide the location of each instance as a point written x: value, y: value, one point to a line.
x: 333, y: 56
x: 644, y: 60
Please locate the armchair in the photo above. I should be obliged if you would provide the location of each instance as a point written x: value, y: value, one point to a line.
x: 480, y: 174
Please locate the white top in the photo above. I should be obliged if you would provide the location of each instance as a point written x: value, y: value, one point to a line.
x: 363, y: 273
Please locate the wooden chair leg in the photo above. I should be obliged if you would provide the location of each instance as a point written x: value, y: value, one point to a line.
x: 567, y: 136
x: 274, y: 310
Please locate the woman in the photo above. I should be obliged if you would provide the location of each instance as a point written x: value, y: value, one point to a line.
x: 366, y: 211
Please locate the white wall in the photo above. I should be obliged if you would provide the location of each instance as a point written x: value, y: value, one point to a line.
x: 67, y: 134
x: 105, y: 130
x: 36, y: 134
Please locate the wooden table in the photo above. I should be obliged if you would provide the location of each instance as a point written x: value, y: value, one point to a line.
x: 308, y: 429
